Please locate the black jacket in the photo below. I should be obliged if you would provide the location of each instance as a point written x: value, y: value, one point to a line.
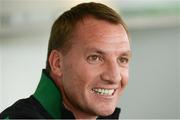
x: 44, y: 104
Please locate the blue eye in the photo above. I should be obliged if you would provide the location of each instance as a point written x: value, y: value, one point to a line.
x: 93, y: 59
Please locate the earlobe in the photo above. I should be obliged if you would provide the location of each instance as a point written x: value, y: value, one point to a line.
x: 55, y: 60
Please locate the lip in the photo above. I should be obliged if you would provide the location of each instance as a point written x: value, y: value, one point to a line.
x: 106, y: 87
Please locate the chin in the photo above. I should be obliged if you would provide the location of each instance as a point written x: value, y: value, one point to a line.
x: 106, y: 112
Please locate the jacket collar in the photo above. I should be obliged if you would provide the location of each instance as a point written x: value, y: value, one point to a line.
x: 49, y: 96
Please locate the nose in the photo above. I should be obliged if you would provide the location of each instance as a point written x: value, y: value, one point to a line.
x: 111, y: 73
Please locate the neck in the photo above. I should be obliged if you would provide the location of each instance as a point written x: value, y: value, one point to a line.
x: 78, y: 114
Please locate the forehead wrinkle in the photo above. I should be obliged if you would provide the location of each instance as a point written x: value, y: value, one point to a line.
x: 107, y: 45
x: 109, y: 51
x: 92, y: 24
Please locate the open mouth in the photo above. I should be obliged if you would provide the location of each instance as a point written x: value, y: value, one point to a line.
x: 103, y: 91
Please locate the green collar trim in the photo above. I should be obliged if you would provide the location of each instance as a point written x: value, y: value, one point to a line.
x: 49, y: 95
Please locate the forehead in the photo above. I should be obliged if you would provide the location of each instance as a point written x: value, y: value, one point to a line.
x: 99, y: 33
x: 91, y: 26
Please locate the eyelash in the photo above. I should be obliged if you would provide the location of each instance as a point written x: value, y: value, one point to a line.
x: 94, y: 59
x: 121, y: 60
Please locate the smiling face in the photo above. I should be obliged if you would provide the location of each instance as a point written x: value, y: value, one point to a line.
x: 95, y: 69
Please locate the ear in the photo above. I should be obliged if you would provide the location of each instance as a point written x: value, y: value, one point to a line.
x: 55, y: 61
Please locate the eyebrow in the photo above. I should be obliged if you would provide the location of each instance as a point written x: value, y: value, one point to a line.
x: 128, y: 53
x: 100, y: 51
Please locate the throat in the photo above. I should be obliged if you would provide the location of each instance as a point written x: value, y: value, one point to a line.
x: 78, y: 113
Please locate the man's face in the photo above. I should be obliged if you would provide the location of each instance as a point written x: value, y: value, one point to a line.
x: 95, y: 70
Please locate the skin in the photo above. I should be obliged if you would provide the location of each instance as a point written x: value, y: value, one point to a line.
x: 98, y: 58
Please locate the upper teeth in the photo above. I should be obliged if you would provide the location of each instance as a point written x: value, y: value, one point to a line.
x: 104, y: 91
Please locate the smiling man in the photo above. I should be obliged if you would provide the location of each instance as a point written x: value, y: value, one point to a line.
x: 87, y: 67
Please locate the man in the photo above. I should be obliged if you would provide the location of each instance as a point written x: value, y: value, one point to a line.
x: 87, y: 67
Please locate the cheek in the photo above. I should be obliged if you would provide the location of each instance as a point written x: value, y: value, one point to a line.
x: 73, y: 83
x: 125, y: 77
x: 76, y: 75
x: 79, y: 74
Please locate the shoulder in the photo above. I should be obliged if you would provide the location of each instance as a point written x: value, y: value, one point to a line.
x: 25, y: 108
